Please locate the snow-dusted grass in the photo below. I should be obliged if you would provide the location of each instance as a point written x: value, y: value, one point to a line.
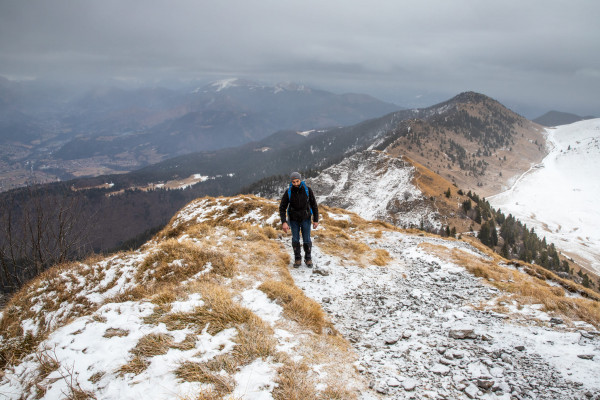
x: 211, y: 309
x: 398, y: 317
x: 527, y: 287
x: 186, y: 316
x: 559, y: 196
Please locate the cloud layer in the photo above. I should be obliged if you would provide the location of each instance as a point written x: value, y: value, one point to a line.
x: 541, y: 54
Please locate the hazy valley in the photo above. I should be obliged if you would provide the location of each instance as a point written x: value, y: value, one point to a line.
x: 50, y: 133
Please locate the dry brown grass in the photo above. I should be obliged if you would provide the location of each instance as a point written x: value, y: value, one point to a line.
x: 135, y: 366
x: 337, y: 392
x: 296, y: 305
x: 188, y: 343
x: 382, y: 257
x: 96, y: 377
x: 254, y: 338
x: 344, y: 238
x: 236, y: 207
x: 49, y: 291
x: 252, y: 256
x: 159, y: 266
x: 527, y: 288
x: 112, y: 332
x: 47, y: 363
x: 199, y: 372
x: 148, y: 346
x: 153, y: 344
x: 294, y: 383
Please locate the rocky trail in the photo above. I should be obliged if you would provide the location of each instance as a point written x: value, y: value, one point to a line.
x: 420, y: 331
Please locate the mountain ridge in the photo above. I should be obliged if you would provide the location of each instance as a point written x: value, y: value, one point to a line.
x: 210, y: 307
x: 121, y: 207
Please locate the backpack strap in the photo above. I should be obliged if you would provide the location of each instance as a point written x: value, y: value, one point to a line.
x: 307, y: 196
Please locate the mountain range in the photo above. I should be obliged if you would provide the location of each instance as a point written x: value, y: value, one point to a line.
x: 461, y: 137
x: 110, y: 129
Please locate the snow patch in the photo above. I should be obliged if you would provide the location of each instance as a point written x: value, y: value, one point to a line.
x: 567, y: 181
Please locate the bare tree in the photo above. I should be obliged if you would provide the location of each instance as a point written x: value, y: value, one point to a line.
x: 38, y: 230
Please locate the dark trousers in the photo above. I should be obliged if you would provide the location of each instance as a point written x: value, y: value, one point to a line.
x: 296, y: 227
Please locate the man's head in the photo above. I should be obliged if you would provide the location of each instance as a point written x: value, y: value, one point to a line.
x: 296, y: 178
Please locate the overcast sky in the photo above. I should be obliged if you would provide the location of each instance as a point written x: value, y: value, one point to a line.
x: 531, y: 55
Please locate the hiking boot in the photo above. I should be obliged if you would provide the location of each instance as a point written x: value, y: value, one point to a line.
x: 297, y: 263
x: 307, y: 255
x: 297, y: 251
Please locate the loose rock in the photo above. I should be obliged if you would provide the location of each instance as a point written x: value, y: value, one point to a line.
x: 462, y: 334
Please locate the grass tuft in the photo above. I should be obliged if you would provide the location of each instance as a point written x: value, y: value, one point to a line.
x: 135, y: 366
x: 294, y: 383
x: 176, y: 261
x: 296, y: 305
x: 153, y: 344
x: 199, y: 372
x: 382, y: 257
x: 112, y: 332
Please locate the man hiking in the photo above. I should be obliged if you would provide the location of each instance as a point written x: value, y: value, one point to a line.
x: 297, y: 206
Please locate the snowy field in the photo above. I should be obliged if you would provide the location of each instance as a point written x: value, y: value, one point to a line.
x: 559, y: 196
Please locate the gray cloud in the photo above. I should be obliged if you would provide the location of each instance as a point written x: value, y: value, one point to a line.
x: 539, y: 54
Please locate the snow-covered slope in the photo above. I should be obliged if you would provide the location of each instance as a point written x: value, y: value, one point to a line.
x: 211, y: 309
x: 375, y: 186
x: 560, y: 196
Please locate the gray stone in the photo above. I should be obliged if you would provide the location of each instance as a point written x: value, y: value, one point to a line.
x: 506, y: 358
x: 440, y: 369
x: 445, y: 361
x: 472, y: 391
x: 485, y: 384
x: 409, y: 384
x: 586, y: 356
x: 393, y: 382
x: 392, y: 340
x: 464, y: 333
x: 380, y: 389
x: 322, y: 272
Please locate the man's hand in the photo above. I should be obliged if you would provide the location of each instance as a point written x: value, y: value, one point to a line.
x: 285, y: 227
x: 315, y: 224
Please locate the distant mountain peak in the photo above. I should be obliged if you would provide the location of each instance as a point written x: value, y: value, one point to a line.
x: 230, y: 83
x: 225, y: 84
x: 470, y: 97
x: 557, y: 118
x: 291, y: 86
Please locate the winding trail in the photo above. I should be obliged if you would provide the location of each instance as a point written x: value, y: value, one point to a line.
x: 400, y: 319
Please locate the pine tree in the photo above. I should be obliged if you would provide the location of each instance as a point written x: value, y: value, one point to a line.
x: 504, y: 252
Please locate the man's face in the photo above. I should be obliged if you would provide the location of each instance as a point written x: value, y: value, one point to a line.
x: 296, y: 182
